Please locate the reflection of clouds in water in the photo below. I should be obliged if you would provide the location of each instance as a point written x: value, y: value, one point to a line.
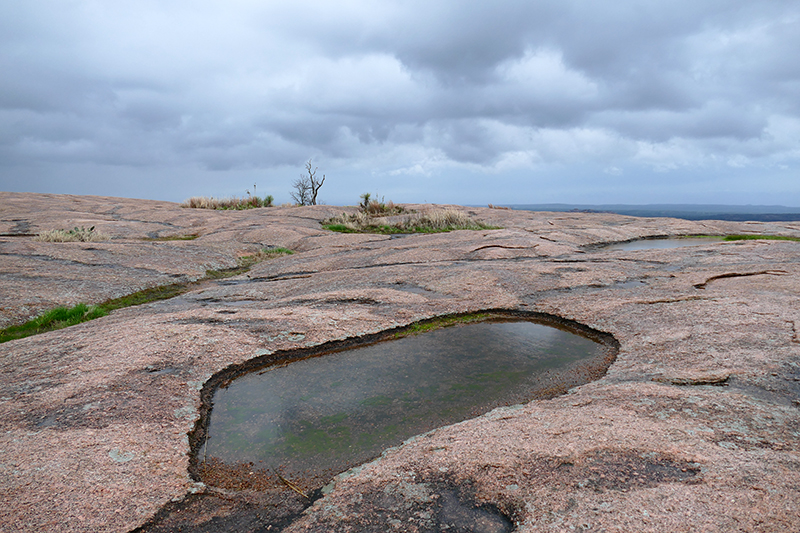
x: 343, y: 381
x: 524, y: 336
x: 456, y: 370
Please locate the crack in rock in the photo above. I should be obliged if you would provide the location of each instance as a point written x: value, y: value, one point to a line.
x: 718, y: 380
x: 672, y: 300
x: 740, y: 275
x: 503, y: 246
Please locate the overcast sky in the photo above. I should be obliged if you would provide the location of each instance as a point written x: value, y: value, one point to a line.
x: 469, y: 101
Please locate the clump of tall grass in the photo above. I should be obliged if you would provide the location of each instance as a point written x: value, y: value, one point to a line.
x: 75, y: 234
x: 250, y: 202
x: 349, y: 223
x: 444, y: 220
x: 433, y: 221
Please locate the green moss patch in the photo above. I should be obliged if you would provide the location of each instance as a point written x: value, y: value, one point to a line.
x: 760, y: 238
x: 441, y: 322
x: 154, y: 294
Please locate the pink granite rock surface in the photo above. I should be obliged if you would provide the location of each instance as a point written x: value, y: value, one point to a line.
x: 695, y: 427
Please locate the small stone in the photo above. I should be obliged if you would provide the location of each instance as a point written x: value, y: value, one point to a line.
x: 119, y: 456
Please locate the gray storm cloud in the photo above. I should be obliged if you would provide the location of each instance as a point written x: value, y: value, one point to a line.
x: 382, y: 91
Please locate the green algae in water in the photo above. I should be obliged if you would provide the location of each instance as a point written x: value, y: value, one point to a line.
x: 319, y: 416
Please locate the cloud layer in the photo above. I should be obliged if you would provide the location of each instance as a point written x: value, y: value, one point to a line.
x: 588, y: 101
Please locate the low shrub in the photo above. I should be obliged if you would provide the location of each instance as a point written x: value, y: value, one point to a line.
x: 377, y: 208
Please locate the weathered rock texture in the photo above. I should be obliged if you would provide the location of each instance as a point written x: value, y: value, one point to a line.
x: 696, y: 426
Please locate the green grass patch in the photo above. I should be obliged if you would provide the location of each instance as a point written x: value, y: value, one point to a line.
x: 382, y: 229
x: 62, y: 317
x: 423, y: 228
x: 341, y: 228
x: 58, y: 318
x: 760, y: 238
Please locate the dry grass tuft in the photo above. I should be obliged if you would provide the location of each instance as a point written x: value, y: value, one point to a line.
x: 355, y: 222
x: 443, y: 220
x: 205, y: 202
x: 76, y: 234
x: 265, y: 254
x: 433, y: 221
x: 201, y: 202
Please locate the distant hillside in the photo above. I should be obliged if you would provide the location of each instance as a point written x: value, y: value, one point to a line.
x: 764, y: 213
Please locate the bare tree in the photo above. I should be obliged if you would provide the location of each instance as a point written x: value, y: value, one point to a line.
x: 301, y: 192
x: 307, y: 187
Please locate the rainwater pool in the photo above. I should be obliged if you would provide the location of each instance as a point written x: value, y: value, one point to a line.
x: 312, y: 418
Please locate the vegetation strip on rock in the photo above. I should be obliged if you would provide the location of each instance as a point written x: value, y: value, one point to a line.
x: 760, y: 237
x: 62, y: 317
x: 58, y: 318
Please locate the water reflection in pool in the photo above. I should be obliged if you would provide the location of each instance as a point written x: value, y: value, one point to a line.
x: 319, y: 416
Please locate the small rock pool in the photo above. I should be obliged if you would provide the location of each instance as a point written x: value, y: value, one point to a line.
x: 309, y: 419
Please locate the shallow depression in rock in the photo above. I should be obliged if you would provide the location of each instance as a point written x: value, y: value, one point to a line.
x: 315, y: 417
x: 661, y: 244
